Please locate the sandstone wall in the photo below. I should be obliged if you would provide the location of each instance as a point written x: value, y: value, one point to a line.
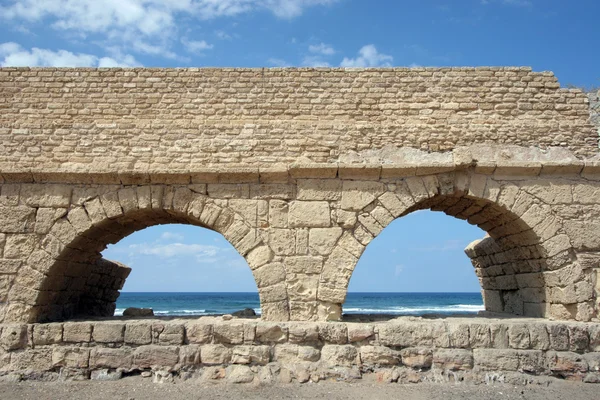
x: 303, y: 232
x: 89, y: 120
x: 594, y: 99
x: 241, y: 351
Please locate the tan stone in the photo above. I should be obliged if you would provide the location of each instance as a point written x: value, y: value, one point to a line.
x: 46, y: 195
x: 44, y: 334
x: 70, y: 357
x: 358, y: 194
x: 319, y: 189
x: 77, y: 332
x: 110, y: 358
x: 278, y: 214
x: 282, y: 241
x: 309, y: 214
x: 322, y: 240
x: 138, y: 333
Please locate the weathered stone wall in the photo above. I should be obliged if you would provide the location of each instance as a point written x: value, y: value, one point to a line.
x: 303, y: 232
x: 243, y: 351
x: 594, y: 99
x: 299, y: 169
x: 92, y: 120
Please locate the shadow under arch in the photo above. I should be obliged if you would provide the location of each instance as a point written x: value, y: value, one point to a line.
x: 79, y: 282
x: 524, y: 238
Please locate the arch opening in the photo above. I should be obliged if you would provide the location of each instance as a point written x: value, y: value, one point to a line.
x: 82, y: 283
x: 524, y: 246
x: 417, y: 266
x: 183, y: 270
x: 67, y: 275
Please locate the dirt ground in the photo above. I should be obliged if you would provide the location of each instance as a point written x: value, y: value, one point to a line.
x: 137, y: 388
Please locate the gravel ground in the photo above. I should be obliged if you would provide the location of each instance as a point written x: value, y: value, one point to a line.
x: 142, y: 389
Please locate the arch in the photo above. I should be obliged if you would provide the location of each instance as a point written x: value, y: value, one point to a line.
x: 67, y: 275
x: 525, y: 245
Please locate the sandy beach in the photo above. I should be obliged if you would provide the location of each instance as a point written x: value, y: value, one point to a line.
x: 134, y: 388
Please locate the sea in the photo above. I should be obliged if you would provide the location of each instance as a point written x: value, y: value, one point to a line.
x: 191, y: 304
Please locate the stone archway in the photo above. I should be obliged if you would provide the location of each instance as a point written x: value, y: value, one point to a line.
x: 67, y: 276
x: 526, y: 264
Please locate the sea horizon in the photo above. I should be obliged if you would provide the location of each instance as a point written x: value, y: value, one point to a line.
x: 395, y: 303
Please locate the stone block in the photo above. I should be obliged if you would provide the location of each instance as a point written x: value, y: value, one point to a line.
x: 309, y: 214
x: 496, y: 359
x: 565, y: 362
x: 303, y: 332
x: 44, y: 334
x: 105, y: 332
x: 17, y: 219
x: 339, y: 355
x: 215, y: 354
x: 303, y: 264
x: 417, y: 357
x: 138, y: 333
x: 77, y: 332
x: 271, y: 333
x: 257, y: 355
x: 282, y: 241
x: 31, y: 360
x: 319, y: 189
x: 453, y: 359
x: 103, y: 357
x: 356, y: 195
x: 278, y: 214
x: 379, y: 355
x: 518, y: 336
x: 559, y: 336
x: 13, y: 336
x: 228, y: 333
x: 70, y: 357
x: 168, y: 334
x: 322, y: 240
x: 46, y: 195
x: 152, y: 356
x: 332, y: 332
x: 360, y: 332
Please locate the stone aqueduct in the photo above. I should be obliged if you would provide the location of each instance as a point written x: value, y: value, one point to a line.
x: 299, y: 169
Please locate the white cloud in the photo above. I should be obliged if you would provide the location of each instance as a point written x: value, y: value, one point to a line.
x: 171, y: 236
x: 314, y: 61
x: 321, y: 48
x: 368, y: 56
x: 222, y: 35
x: 144, y: 26
x: 196, y: 46
x: 199, y: 252
x: 278, y: 62
x: 399, y: 269
x: 448, y: 245
x: 13, y: 55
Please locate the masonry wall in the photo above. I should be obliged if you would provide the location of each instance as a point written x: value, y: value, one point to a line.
x: 169, y: 119
x: 243, y: 350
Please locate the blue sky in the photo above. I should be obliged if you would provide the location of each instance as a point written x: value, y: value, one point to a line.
x: 420, y: 252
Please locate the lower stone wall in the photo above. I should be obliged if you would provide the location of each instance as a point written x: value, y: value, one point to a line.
x: 248, y: 350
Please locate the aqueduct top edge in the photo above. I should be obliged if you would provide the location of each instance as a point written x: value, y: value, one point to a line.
x: 80, y: 120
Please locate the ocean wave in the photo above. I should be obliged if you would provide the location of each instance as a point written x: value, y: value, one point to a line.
x: 119, y: 312
x: 458, y: 308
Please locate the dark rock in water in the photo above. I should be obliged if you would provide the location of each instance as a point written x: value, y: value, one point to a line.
x: 246, y: 312
x: 138, y: 312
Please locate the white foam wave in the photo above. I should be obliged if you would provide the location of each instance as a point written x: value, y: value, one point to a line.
x: 458, y: 308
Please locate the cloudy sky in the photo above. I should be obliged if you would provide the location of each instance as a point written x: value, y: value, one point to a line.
x: 545, y: 34
x: 421, y: 252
